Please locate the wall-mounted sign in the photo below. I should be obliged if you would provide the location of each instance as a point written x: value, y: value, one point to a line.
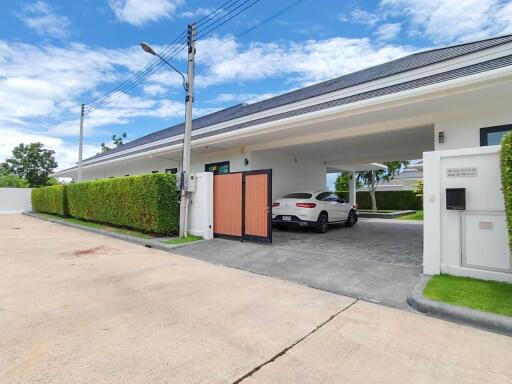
x: 462, y: 172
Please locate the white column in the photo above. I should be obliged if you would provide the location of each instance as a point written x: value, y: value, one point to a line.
x: 352, y: 188
x: 432, y: 213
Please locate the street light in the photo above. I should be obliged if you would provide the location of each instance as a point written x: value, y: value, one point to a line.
x: 188, y: 86
x: 147, y: 48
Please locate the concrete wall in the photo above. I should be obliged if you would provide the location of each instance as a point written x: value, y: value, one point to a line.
x: 290, y: 173
x: 462, y: 126
x: 473, y: 242
x: 15, y: 200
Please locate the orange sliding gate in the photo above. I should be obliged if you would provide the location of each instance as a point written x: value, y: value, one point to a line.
x: 242, y: 205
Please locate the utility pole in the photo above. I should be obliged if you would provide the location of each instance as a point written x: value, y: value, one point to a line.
x: 81, y: 144
x: 187, y: 137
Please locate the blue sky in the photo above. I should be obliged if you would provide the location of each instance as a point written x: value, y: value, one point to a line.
x: 55, y: 55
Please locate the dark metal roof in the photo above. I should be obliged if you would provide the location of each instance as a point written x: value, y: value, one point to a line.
x: 394, y: 67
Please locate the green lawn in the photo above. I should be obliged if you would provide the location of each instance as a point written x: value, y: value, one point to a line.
x: 91, y: 224
x: 182, y: 240
x: 378, y: 210
x: 415, y: 216
x: 482, y: 295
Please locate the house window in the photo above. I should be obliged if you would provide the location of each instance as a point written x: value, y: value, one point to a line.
x: 154, y: 171
x: 493, y: 135
x: 172, y: 171
x: 217, y: 168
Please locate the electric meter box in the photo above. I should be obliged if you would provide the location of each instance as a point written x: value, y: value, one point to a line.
x: 456, y: 199
x: 191, y: 182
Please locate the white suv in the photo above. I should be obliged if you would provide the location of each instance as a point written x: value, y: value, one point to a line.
x: 313, y: 209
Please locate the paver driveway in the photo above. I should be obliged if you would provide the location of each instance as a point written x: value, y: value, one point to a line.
x: 377, y: 259
x: 76, y: 307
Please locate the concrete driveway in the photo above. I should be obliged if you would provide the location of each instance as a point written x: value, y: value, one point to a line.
x: 377, y: 260
x: 76, y: 307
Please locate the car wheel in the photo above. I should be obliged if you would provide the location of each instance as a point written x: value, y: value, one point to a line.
x: 352, y: 219
x: 322, y: 224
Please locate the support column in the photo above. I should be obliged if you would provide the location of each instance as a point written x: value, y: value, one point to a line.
x: 352, y: 188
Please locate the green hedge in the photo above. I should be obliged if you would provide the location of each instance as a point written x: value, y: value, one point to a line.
x: 50, y: 200
x: 399, y: 200
x: 506, y: 179
x: 148, y: 203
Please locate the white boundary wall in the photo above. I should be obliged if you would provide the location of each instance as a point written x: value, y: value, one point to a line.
x: 15, y: 200
x: 473, y: 242
x: 200, y: 212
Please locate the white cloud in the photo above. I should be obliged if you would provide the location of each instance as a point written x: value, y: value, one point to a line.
x: 41, y: 102
x: 446, y: 21
x: 139, y: 12
x: 304, y: 63
x: 388, y: 31
x: 199, y: 12
x: 66, y: 154
x: 361, y: 16
x: 41, y: 17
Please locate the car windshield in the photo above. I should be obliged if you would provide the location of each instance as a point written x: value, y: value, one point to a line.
x: 298, y: 195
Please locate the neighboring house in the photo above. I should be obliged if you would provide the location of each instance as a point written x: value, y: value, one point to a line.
x: 449, y: 106
x: 404, y: 181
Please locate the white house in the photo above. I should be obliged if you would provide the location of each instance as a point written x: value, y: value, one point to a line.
x: 449, y: 106
x: 404, y: 181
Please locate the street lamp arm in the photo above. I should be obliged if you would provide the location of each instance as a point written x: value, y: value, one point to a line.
x: 185, y: 84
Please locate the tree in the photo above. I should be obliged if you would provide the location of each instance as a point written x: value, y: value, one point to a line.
x: 12, y: 181
x: 116, y: 142
x: 372, y: 178
x: 418, y: 188
x: 31, y: 162
x: 342, y: 182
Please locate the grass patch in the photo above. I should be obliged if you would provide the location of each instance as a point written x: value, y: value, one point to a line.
x: 48, y: 215
x: 378, y: 210
x: 130, y: 232
x: 415, y: 216
x: 182, y: 240
x: 84, y: 223
x: 482, y: 295
x: 91, y: 224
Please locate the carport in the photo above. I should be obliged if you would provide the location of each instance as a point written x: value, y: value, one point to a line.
x: 377, y: 260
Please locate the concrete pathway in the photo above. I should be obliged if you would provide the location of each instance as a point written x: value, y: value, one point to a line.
x: 77, y: 307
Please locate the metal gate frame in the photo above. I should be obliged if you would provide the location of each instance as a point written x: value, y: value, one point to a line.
x: 244, y: 236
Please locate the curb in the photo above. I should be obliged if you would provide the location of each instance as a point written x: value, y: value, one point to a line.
x: 148, y: 243
x: 461, y: 315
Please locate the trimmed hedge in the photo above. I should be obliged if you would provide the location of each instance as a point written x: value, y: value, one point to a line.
x: 399, y: 200
x: 148, y: 203
x: 50, y: 200
x: 506, y: 178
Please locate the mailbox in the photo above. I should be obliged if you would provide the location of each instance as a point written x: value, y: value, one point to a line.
x: 456, y: 199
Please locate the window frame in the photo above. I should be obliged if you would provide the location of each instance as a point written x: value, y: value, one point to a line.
x: 484, y: 132
x: 218, y: 164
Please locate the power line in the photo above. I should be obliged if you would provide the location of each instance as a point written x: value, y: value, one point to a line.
x: 220, y: 8
x: 134, y: 81
x: 214, y: 20
x: 139, y: 75
x: 200, y: 36
x: 270, y: 18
